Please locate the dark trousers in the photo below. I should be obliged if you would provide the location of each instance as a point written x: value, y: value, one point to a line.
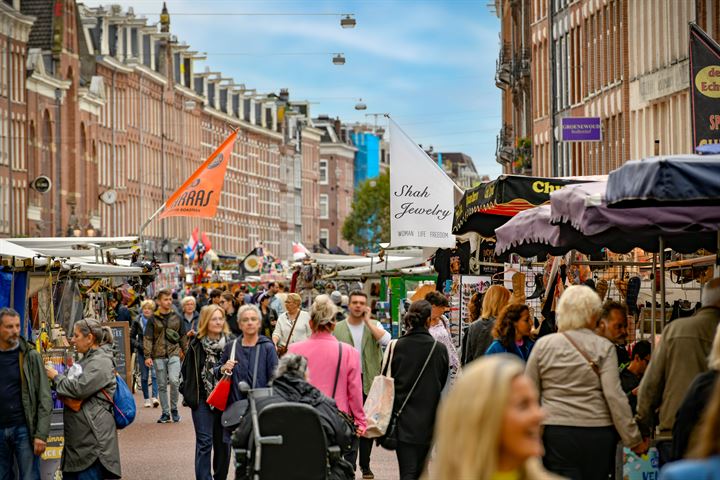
x: 365, y: 446
x: 208, y: 439
x: 411, y: 460
x: 580, y: 453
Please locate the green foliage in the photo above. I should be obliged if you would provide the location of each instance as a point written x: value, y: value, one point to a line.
x: 369, y: 222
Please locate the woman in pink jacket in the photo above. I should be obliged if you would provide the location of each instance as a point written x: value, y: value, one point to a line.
x: 333, y: 367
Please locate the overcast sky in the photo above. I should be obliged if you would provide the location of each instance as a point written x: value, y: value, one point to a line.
x: 428, y: 63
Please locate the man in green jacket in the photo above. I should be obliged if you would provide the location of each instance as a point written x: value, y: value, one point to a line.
x: 368, y: 337
x: 680, y: 357
x: 25, y: 399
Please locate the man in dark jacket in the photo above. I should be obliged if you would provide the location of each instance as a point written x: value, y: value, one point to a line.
x: 164, y: 344
x: 119, y: 312
x: 680, y: 357
x: 25, y: 400
x: 290, y: 385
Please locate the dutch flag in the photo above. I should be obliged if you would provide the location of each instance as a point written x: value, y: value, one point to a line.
x: 192, y: 243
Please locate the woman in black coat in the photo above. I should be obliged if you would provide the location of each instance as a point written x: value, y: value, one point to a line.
x: 200, y: 376
x: 416, y: 410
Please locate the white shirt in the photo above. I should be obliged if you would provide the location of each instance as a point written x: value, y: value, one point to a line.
x: 357, y: 333
x: 284, y: 325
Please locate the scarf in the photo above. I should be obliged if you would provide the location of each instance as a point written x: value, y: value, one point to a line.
x: 213, y: 350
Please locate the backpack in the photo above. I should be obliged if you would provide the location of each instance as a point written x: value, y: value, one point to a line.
x: 124, y: 409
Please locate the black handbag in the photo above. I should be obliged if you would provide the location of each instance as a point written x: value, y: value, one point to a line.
x: 389, y: 441
x: 233, y: 415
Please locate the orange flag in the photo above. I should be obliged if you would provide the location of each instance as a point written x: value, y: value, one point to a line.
x: 200, y: 194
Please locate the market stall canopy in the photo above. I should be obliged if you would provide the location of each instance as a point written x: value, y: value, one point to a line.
x: 530, y: 234
x: 581, y: 210
x: 71, y: 242
x: 379, y: 266
x: 486, y: 207
x: 681, y: 180
x: 12, y: 249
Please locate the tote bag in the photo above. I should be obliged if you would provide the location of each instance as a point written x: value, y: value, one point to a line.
x: 379, y: 403
x: 218, y: 398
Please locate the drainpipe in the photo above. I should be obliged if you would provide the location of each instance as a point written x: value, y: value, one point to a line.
x: 140, y: 112
x: 58, y: 169
x: 8, y: 53
x: 113, y: 120
x: 553, y: 80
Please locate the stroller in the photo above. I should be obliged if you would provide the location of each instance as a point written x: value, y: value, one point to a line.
x: 287, y: 441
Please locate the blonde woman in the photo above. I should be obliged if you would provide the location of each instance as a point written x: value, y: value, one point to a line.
x: 489, y: 425
x: 293, y: 325
x: 200, y: 375
x: 479, y: 334
x: 576, y: 372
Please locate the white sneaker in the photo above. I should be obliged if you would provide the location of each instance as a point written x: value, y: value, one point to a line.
x: 155, y: 402
x: 148, y: 403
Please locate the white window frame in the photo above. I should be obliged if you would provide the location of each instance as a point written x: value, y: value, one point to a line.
x: 324, y: 234
x: 323, y: 172
x: 324, y: 215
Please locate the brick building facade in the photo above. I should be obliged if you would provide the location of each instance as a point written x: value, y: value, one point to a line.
x: 624, y: 61
x: 119, y: 131
x: 335, y: 178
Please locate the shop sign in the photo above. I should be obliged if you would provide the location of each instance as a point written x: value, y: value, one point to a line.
x: 41, y: 184
x: 581, y: 129
x: 705, y: 87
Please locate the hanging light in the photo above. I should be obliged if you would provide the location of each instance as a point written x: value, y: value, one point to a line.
x: 360, y: 105
x: 348, y: 21
x: 339, y: 59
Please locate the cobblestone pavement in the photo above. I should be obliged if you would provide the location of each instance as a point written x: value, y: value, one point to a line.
x: 153, y: 451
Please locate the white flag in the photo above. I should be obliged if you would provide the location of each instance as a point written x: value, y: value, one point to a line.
x: 421, y: 196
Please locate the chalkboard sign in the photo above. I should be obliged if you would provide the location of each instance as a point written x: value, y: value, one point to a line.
x: 121, y: 339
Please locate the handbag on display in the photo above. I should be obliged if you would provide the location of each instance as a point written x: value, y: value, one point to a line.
x: 219, y: 396
x: 381, y: 397
x: 234, y: 414
x: 389, y: 441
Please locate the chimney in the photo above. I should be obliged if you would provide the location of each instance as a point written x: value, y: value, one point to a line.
x: 284, y: 94
x: 164, y: 19
x: 338, y: 126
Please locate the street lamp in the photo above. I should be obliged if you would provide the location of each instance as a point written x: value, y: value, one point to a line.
x: 348, y: 21
x: 360, y: 105
x: 338, y: 59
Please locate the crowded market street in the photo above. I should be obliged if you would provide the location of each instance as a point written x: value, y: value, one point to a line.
x: 150, y: 446
x: 359, y: 240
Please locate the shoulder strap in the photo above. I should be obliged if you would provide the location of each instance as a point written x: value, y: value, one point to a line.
x: 257, y: 357
x: 337, y: 370
x: 427, y: 360
x: 590, y: 361
x: 387, y: 358
x: 232, y: 350
x: 292, y: 329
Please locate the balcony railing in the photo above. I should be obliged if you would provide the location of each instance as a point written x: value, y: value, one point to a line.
x: 504, y: 150
x: 503, y: 67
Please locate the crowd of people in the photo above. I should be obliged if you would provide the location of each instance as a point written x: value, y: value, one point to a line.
x: 515, y: 401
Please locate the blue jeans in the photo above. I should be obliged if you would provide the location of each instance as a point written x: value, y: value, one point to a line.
x: 16, y: 447
x: 144, y: 374
x: 209, y: 438
x: 93, y: 472
x: 168, y: 369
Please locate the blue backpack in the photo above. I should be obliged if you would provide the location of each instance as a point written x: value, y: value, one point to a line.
x: 124, y: 409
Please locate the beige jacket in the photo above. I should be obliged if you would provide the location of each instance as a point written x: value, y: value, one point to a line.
x: 571, y: 393
x: 680, y: 357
